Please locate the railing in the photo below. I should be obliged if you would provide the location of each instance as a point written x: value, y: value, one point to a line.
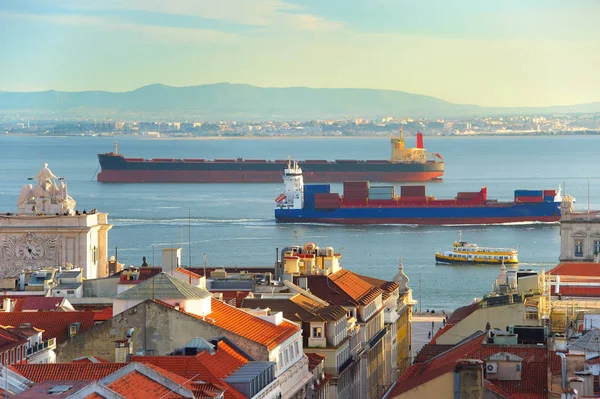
x: 500, y: 300
x: 48, y: 344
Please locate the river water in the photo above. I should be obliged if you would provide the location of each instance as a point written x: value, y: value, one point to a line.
x: 234, y: 224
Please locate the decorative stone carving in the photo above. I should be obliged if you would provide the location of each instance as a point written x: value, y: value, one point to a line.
x: 29, y: 251
x: 49, y: 196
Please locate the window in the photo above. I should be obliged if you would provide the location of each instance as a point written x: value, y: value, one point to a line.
x: 297, y: 348
x: 579, y: 248
x: 596, y: 247
x: 281, y: 358
x: 18, y: 354
x: 72, y: 330
x: 317, y: 332
x: 287, y: 356
x: 70, y: 292
x: 12, y: 356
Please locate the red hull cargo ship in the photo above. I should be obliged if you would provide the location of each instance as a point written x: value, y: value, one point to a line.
x: 405, y: 164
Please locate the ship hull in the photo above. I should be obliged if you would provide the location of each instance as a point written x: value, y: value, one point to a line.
x: 250, y: 176
x: 477, y: 261
x: 116, y: 169
x: 459, y: 215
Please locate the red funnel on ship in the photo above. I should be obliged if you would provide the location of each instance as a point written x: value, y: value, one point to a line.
x: 419, y: 140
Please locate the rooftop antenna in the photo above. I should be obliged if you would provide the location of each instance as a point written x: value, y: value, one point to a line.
x: 588, y: 194
x: 190, y: 235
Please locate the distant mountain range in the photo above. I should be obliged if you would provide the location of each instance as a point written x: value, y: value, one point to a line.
x: 241, y: 101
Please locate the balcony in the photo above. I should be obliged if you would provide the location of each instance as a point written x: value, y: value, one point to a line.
x: 48, y: 344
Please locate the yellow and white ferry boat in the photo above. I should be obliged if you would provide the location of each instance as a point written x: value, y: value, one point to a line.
x: 463, y: 252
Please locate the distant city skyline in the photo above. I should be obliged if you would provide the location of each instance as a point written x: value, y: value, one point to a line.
x: 489, y: 53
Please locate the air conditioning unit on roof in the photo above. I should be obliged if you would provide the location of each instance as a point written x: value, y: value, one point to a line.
x: 491, y: 367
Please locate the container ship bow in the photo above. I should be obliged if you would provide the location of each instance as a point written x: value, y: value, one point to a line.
x: 405, y: 164
x: 362, y: 203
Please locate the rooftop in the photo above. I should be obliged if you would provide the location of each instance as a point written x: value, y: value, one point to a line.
x: 585, y: 269
x: 163, y: 286
x: 343, y: 288
x: 590, y: 342
x: 532, y: 385
x: 249, y: 326
x: 66, y: 371
x: 54, y: 324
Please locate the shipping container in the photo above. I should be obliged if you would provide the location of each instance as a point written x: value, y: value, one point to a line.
x: 467, y: 195
x: 380, y: 196
x: 549, y: 193
x: 549, y: 198
x: 529, y: 193
x: 317, y: 188
x: 412, y: 191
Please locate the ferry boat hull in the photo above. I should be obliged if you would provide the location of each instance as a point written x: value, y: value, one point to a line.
x: 440, y: 258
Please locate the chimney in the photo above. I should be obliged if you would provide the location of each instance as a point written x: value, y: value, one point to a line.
x: 419, y: 140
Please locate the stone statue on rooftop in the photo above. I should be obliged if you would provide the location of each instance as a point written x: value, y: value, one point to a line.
x: 44, y: 177
x: 49, y: 196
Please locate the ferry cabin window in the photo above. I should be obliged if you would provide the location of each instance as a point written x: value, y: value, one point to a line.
x: 596, y: 247
x: 578, y: 248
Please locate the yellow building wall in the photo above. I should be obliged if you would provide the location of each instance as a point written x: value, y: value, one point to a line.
x: 498, y: 316
x: 402, y: 342
x: 441, y: 387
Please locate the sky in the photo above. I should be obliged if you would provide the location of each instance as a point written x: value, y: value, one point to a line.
x: 484, y: 52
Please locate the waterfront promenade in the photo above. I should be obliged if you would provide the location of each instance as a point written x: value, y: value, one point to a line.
x: 422, y: 327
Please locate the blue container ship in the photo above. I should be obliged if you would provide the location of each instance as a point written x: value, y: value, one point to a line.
x: 362, y: 203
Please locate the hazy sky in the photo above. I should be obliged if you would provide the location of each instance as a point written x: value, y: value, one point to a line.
x: 486, y: 52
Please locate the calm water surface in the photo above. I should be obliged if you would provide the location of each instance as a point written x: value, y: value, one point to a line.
x: 234, y: 224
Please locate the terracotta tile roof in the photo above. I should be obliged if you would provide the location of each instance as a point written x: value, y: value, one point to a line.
x: 41, y: 303
x: 135, y: 385
x: 211, y: 368
x: 298, y: 308
x: 54, y: 324
x: 66, y: 371
x: 388, y: 287
x: 343, y: 288
x: 103, y: 314
x: 587, y: 269
x: 9, y: 340
x: 535, y: 365
x: 357, y: 288
x: 577, y: 291
x: 496, y: 389
x: 188, y: 272
x: 429, y: 351
x: 94, y: 396
x: 249, y: 326
x: 244, y: 324
x: 314, y: 359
